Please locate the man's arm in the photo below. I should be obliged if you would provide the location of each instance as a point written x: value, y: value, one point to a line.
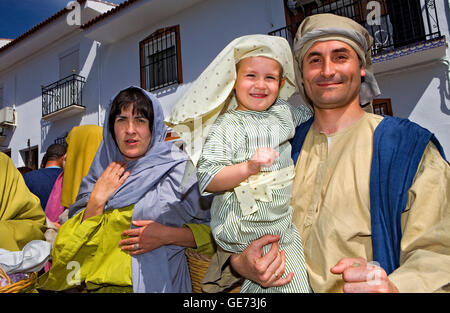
x: 265, y: 270
x: 226, y: 269
x: 425, y: 244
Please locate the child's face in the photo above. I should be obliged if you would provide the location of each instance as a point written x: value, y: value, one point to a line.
x: 258, y: 83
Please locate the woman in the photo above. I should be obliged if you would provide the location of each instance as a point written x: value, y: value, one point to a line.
x: 136, y: 177
x: 82, y: 144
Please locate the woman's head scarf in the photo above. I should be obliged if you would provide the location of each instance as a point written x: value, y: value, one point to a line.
x: 326, y: 27
x: 212, y: 92
x: 83, y: 142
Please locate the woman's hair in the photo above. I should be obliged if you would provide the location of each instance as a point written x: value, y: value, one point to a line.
x: 141, y: 105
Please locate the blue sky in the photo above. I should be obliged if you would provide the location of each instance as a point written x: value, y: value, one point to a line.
x: 18, y: 16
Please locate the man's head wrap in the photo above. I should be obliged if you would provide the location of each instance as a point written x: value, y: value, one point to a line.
x: 326, y: 27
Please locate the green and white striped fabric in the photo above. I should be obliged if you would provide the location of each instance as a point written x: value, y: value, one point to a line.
x: 233, y: 138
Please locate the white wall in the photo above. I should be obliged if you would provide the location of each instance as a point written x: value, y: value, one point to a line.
x: 22, y: 88
x: 422, y: 93
x: 205, y: 29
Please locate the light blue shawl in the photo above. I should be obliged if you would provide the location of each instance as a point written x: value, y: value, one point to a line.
x: 160, y: 191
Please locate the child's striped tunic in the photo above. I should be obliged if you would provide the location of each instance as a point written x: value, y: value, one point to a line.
x: 233, y: 139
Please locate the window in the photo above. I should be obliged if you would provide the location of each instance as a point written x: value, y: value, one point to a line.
x: 407, y: 21
x: 160, y: 59
x: 382, y: 106
x: 7, y: 152
x: 30, y: 157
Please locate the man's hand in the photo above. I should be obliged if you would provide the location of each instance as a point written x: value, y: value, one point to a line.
x: 264, y: 270
x: 361, y: 276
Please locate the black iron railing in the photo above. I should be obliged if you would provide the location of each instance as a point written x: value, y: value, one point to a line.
x: 392, y: 23
x: 62, y: 140
x: 62, y: 94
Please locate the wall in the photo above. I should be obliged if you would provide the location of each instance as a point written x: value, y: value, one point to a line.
x: 22, y: 89
x: 422, y: 92
x: 205, y: 29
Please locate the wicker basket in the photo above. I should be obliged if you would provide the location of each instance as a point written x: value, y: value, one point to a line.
x: 24, y: 285
x: 198, y: 264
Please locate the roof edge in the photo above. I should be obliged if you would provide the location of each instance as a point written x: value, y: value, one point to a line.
x: 108, y: 13
x: 49, y: 20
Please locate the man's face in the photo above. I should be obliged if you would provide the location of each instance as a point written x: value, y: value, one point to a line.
x: 332, y: 74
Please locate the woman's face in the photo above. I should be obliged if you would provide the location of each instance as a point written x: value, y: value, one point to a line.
x: 132, y: 133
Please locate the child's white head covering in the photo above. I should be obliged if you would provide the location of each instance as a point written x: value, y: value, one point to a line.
x: 211, y: 93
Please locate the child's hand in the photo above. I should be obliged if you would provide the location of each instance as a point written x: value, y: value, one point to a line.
x: 262, y: 157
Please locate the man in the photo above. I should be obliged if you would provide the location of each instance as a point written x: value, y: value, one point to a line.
x: 40, y: 182
x: 366, y: 187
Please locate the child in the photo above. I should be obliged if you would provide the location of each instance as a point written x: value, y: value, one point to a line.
x: 246, y: 157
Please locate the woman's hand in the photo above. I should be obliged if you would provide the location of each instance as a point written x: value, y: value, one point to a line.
x: 150, y: 235
x: 266, y: 270
x: 111, y: 179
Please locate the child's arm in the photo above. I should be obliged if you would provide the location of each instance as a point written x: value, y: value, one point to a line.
x: 231, y: 176
x: 300, y: 112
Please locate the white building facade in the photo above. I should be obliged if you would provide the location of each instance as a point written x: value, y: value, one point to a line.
x: 59, y: 75
x: 105, y: 57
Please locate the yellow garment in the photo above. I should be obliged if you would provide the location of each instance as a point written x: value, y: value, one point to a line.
x: 22, y: 218
x: 332, y: 210
x: 92, y: 246
x: 83, y: 142
x: 203, y: 239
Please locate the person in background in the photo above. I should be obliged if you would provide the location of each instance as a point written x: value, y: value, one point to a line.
x: 21, y: 216
x: 41, y: 181
x: 82, y: 144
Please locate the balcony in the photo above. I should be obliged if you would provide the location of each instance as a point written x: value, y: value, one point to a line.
x: 405, y: 31
x: 63, y: 98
